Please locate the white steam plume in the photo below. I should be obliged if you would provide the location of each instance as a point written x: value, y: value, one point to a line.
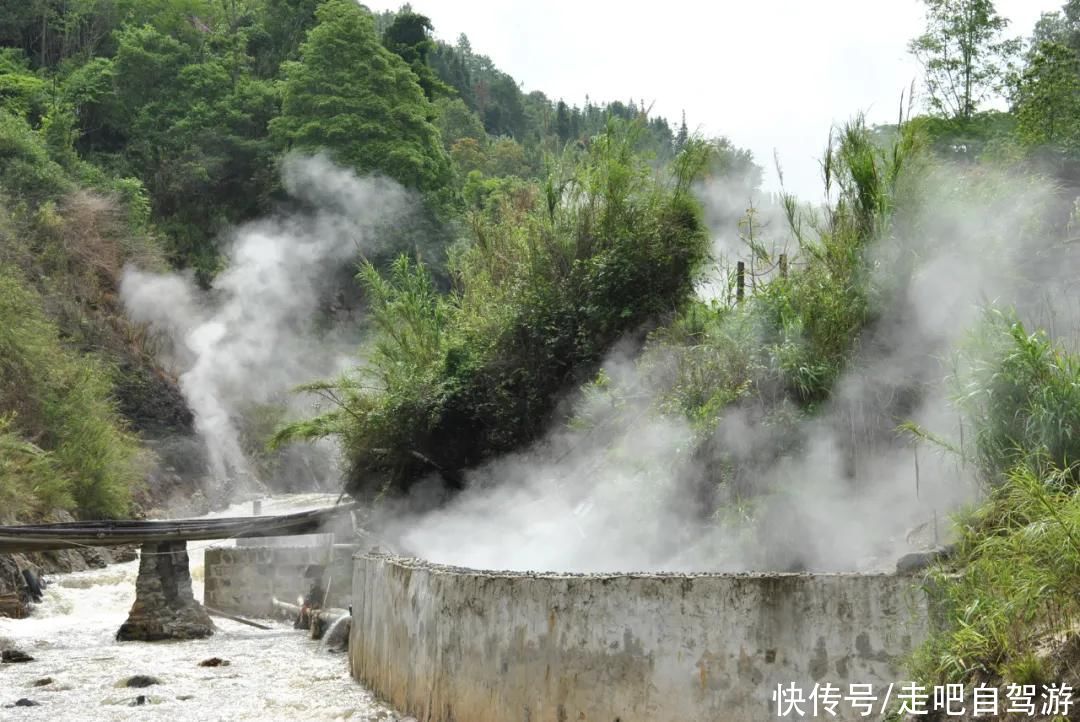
x: 251, y: 338
x: 841, y: 495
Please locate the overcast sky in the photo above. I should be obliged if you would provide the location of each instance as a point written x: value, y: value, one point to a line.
x: 769, y: 74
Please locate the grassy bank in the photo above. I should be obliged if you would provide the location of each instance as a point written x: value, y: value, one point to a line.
x: 1008, y: 598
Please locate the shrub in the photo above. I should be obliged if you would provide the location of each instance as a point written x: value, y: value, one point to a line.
x: 30, y: 482
x: 547, y: 284
x: 1021, y: 395
x: 793, y: 335
x: 1011, y: 590
x: 26, y: 171
x: 1012, y: 585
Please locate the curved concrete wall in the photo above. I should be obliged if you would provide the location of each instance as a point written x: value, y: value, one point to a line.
x: 447, y: 644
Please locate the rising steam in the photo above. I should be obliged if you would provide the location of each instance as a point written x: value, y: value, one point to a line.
x: 843, y: 491
x: 250, y: 339
x: 624, y: 488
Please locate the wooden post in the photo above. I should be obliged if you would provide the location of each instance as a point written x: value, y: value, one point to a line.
x: 256, y: 507
x: 963, y: 453
x: 740, y: 281
x: 915, y: 448
x: 783, y: 265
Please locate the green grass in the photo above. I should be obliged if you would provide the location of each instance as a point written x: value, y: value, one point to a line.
x: 1008, y: 601
x: 63, y: 442
x: 792, y: 337
x: 1012, y: 587
x: 30, y: 482
x: 1021, y: 395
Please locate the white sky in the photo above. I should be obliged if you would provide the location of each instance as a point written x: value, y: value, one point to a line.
x: 769, y: 74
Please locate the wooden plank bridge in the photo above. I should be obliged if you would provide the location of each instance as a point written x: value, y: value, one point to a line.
x: 77, y: 534
x: 165, y: 606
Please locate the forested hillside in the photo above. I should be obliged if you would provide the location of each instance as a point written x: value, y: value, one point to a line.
x: 142, y: 132
x: 571, y: 291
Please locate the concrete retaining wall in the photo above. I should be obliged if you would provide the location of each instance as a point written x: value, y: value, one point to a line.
x: 245, y: 579
x: 296, y: 540
x: 446, y: 644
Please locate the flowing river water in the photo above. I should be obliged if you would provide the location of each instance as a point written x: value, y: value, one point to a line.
x: 278, y: 674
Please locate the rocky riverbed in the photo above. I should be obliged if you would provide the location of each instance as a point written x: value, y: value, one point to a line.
x: 80, y: 672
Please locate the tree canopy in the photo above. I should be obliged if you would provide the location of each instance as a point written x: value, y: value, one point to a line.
x: 351, y: 96
x: 964, y: 54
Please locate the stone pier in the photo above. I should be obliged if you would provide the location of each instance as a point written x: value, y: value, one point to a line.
x: 165, y: 607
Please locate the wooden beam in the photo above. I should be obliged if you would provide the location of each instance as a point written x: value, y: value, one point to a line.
x: 71, y: 535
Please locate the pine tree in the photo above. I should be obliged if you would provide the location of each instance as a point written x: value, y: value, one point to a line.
x: 683, y: 134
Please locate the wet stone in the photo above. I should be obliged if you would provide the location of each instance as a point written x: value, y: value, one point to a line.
x: 15, y: 656
x: 214, y: 662
x: 24, y: 702
x: 141, y: 680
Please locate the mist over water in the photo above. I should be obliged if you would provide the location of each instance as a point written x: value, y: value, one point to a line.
x: 252, y: 337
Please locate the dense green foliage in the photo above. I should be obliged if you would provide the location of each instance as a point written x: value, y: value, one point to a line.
x: 552, y: 233
x: 964, y: 54
x: 793, y: 336
x: 1048, y: 98
x: 142, y: 131
x: 1022, y: 397
x: 969, y: 57
x: 66, y: 229
x: 1009, y: 593
x: 351, y: 96
x: 1006, y: 598
x: 550, y: 281
x: 200, y: 99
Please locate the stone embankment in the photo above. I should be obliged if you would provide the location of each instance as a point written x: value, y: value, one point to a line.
x: 13, y: 583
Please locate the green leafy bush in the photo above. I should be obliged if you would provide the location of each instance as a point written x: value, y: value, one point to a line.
x: 26, y: 170
x: 1007, y: 599
x: 793, y: 335
x: 30, y: 482
x: 1012, y: 586
x: 544, y: 288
